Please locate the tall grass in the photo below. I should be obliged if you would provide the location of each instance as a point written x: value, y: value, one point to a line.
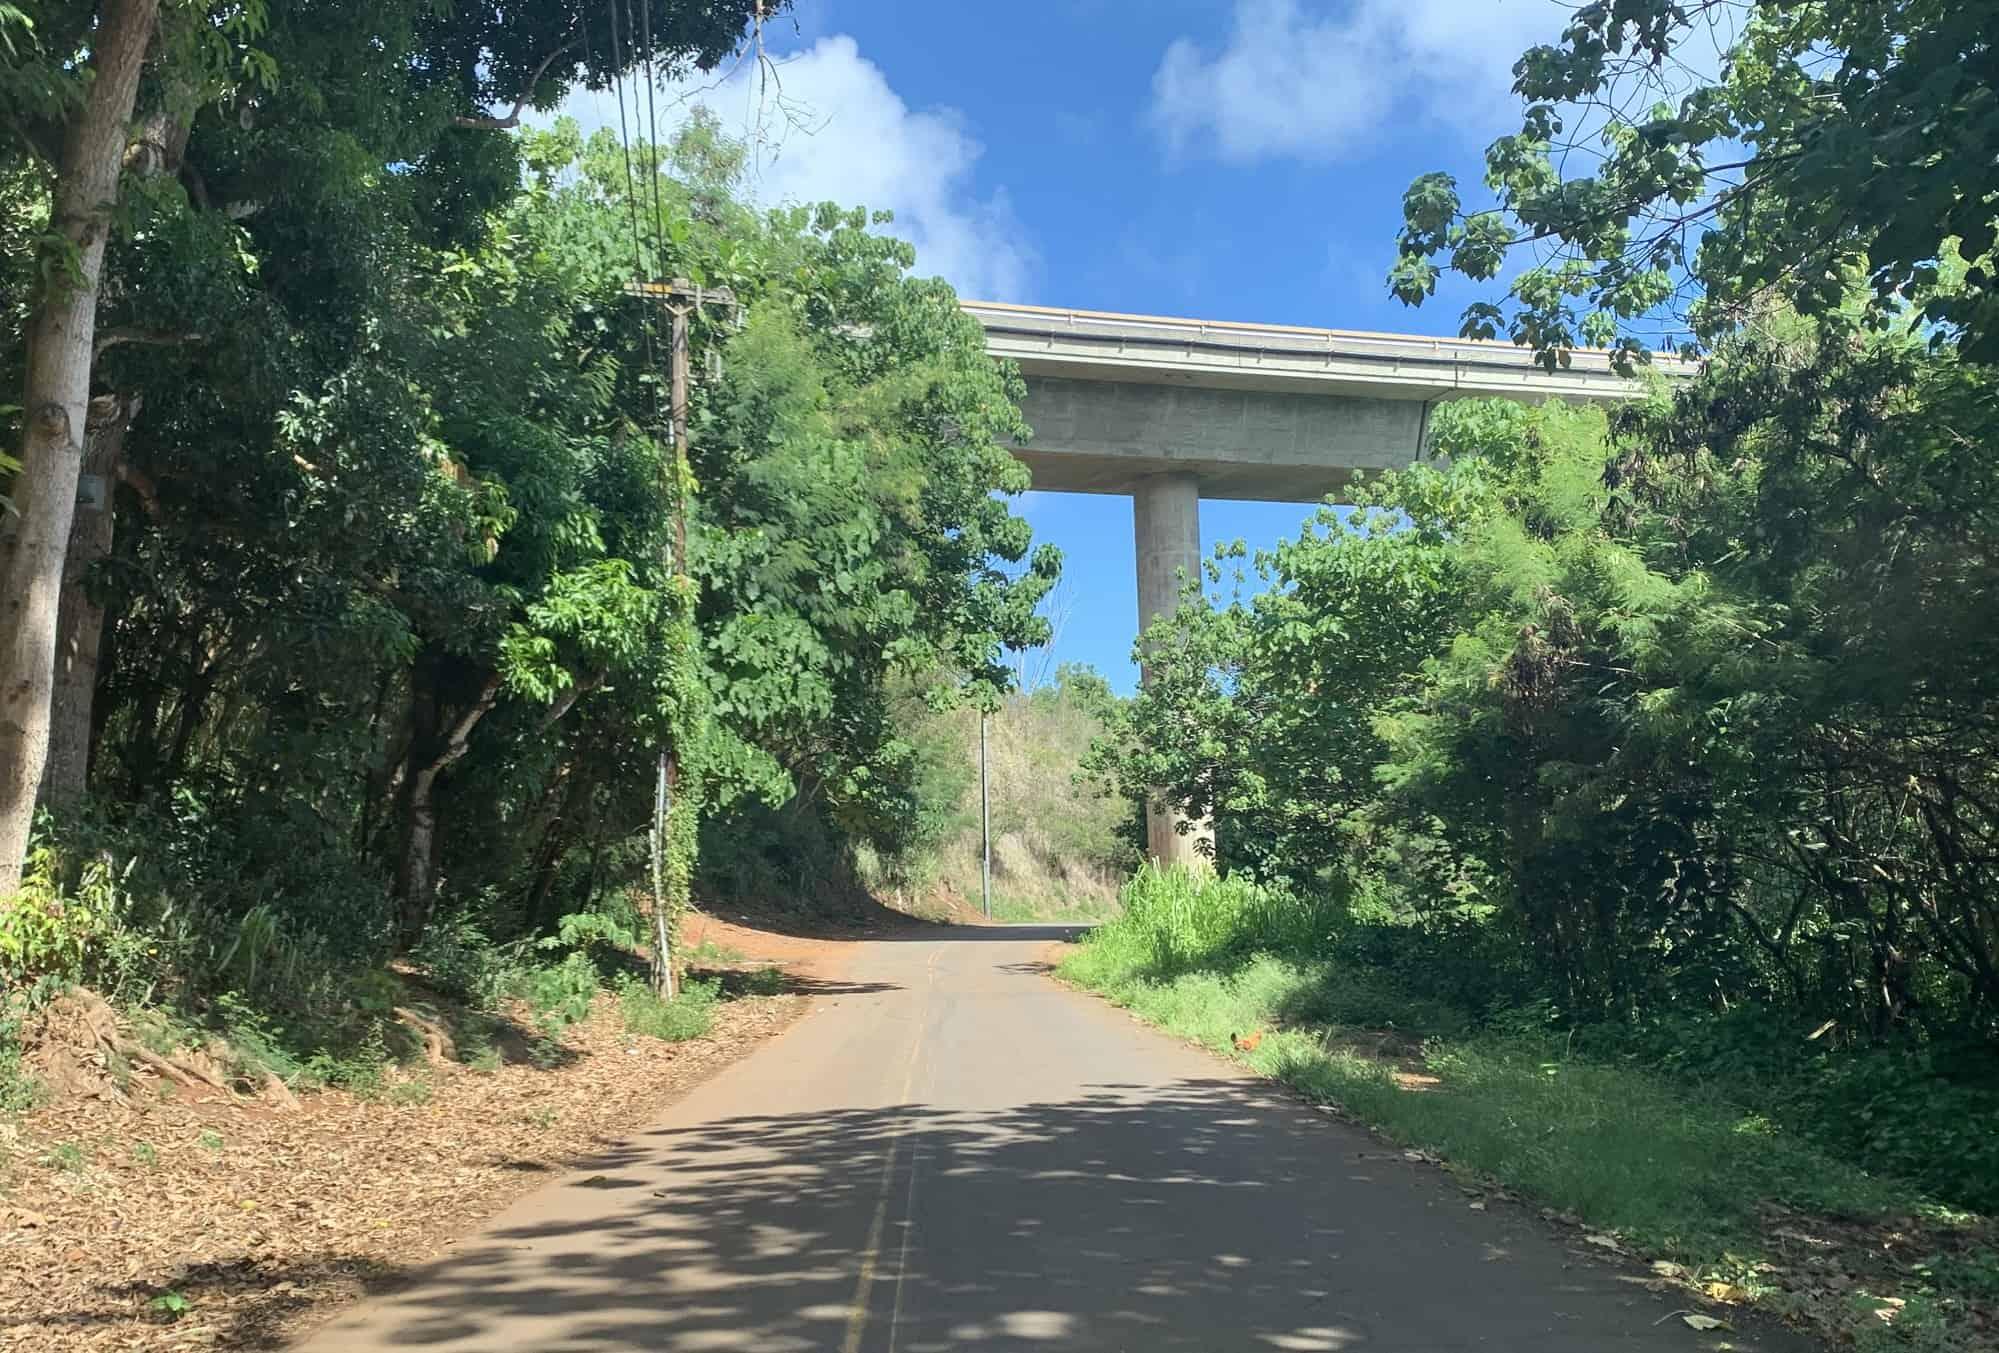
x: 1176, y: 919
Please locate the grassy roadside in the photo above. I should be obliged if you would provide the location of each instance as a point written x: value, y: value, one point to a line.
x: 1082, y: 908
x: 1717, y: 1197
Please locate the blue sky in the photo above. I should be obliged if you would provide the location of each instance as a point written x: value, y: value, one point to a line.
x: 1228, y: 159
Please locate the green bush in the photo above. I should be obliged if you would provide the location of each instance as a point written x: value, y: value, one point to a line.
x: 256, y: 1042
x: 1918, y: 1111
x: 461, y: 962
x: 47, y: 930
x: 689, y: 1014
x: 591, y: 933
x: 362, y: 1069
x: 560, y: 994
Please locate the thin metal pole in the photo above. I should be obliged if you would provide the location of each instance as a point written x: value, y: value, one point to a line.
x: 985, y: 824
x: 662, y: 924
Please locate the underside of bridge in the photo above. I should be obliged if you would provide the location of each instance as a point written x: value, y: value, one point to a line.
x: 1170, y: 411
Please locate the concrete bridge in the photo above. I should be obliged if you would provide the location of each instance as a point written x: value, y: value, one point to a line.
x: 1171, y: 411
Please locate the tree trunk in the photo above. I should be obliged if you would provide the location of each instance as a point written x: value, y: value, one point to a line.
x: 161, y: 146
x: 556, y: 836
x: 61, y: 330
x: 432, y: 752
x: 79, y: 619
x: 416, y: 884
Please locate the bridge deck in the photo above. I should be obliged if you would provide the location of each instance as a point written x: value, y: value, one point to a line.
x: 1256, y: 411
x: 1097, y: 345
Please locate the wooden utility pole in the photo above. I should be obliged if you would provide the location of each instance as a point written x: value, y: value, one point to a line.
x: 681, y: 299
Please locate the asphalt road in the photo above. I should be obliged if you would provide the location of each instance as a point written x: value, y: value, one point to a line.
x: 954, y: 1152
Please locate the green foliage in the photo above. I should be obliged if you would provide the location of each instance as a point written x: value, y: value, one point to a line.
x: 65, y: 1156
x: 362, y: 1069
x: 46, y: 931
x: 256, y: 1044
x: 765, y: 981
x: 590, y: 934
x: 409, y: 1092
x: 395, y: 618
x: 708, y: 951
x: 1635, y: 700
x: 19, y: 1090
x: 689, y: 1014
x: 1621, y: 1148
x: 1175, y: 919
x: 462, y: 963
x: 559, y: 994
x: 1913, y: 1113
x: 171, y: 1304
x: 1061, y: 840
x: 1665, y: 734
x: 1840, y: 140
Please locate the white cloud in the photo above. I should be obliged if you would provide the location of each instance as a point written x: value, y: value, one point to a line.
x: 846, y: 136
x: 1315, y: 81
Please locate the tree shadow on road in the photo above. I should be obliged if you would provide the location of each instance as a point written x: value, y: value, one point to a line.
x: 1204, y: 1215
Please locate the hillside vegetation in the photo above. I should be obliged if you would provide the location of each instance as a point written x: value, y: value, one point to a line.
x: 1062, y: 842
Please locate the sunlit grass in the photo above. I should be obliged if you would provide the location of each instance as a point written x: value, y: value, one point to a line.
x: 1680, y: 1173
x: 1073, y: 908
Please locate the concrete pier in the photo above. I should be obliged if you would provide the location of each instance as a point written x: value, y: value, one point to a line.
x: 1166, y: 529
x: 1174, y: 410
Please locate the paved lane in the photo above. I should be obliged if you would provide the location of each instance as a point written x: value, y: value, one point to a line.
x: 959, y: 1154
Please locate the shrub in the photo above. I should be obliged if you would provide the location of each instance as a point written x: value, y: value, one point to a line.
x: 45, y: 932
x: 560, y: 994
x: 591, y: 933
x: 362, y: 1069
x: 462, y: 962
x: 688, y: 1015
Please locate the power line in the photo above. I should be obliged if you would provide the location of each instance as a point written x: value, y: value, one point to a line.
x: 652, y: 119
x: 631, y: 197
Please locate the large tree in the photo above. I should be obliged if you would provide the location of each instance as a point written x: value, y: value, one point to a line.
x: 90, y: 104
x: 1838, y: 140
x: 245, y: 110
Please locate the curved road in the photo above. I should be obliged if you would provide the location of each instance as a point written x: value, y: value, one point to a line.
x: 954, y: 1152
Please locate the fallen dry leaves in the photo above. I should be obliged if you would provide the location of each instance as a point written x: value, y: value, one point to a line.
x: 180, y: 1220
x: 1825, y: 1264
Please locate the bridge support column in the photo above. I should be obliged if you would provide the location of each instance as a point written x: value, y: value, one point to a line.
x: 1166, y: 526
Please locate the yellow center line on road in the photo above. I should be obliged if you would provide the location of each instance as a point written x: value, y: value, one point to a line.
x: 857, y: 1313
x: 902, y: 1260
